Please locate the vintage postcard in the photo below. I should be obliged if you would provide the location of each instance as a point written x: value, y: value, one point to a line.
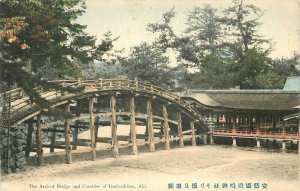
x: 173, y: 95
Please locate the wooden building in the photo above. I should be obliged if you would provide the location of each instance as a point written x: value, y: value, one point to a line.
x: 250, y: 114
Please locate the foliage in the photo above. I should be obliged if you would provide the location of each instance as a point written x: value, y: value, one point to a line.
x: 147, y: 63
x: 227, y: 50
x: 214, y: 73
x: 242, y: 23
x: 41, y: 34
x: 166, y: 35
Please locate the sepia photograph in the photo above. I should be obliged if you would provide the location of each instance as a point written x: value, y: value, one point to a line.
x: 149, y: 95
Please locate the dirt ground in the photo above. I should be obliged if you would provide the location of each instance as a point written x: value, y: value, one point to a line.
x: 189, y: 168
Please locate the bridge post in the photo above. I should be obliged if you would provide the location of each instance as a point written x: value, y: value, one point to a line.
x: 114, y: 126
x: 180, y: 135
x: 257, y: 143
x: 29, y: 138
x: 204, y: 138
x: 234, y: 142
x: 234, y: 124
x: 39, y: 141
x: 67, y: 136
x: 52, y: 143
x: 166, y: 127
x: 283, y: 145
x: 150, y: 125
x: 75, y: 135
x: 92, y: 128
x: 192, y: 124
x: 133, y: 126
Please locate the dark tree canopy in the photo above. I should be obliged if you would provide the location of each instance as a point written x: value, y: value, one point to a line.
x: 43, y: 35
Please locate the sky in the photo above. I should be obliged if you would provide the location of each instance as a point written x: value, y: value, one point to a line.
x: 129, y: 18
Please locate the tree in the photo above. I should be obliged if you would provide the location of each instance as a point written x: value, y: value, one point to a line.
x: 166, y: 36
x: 39, y: 33
x: 242, y: 23
x: 215, y: 73
x: 251, y: 65
x: 147, y: 63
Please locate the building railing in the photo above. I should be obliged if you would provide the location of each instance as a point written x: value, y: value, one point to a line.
x: 256, y: 134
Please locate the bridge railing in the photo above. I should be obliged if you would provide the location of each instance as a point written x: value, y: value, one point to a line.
x: 19, y: 100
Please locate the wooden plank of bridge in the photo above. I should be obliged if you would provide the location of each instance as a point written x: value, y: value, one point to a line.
x: 67, y: 136
x: 29, y: 138
x: 192, y: 124
x: 180, y: 135
x: 133, y: 126
x: 92, y: 128
x: 114, y: 126
x: 39, y: 141
x: 150, y: 125
x: 166, y: 127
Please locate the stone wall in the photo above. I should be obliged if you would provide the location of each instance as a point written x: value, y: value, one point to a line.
x: 13, y: 144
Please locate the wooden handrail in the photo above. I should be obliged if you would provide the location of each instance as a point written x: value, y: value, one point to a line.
x: 18, y: 97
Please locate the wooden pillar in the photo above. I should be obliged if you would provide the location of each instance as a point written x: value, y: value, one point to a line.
x: 234, y: 142
x: 283, y: 129
x: 251, y: 121
x: 75, y: 134
x: 92, y: 128
x: 29, y: 138
x: 283, y: 145
x: 39, y: 141
x: 133, y: 126
x: 67, y: 136
x: 150, y: 126
x: 180, y: 135
x: 52, y: 143
x: 258, y: 125
x: 96, y: 130
x: 114, y: 126
x: 166, y: 127
x: 192, y: 124
x: 299, y: 137
x: 234, y: 124
x: 204, y: 138
x: 211, y: 138
x: 258, y: 143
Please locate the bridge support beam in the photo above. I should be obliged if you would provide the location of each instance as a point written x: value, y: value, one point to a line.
x: 92, y: 128
x: 180, y: 135
x: 29, y: 138
x: 52, y: 141
x: 150, y: 126
x: 298, y: 136
x: 114, y: 126
x: 67, y: 136
x: 234, y: 142
x: 39, y: 141
x: 283, y: 146
x: 166, y: 127
x: 211, y: 138
x: 257, y: 143
x: 192, y: 124
x: 75, y: 134
x: 133, y: 126
x: 204, y: 139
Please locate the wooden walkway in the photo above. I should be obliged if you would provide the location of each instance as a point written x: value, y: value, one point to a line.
x: 188, y: 121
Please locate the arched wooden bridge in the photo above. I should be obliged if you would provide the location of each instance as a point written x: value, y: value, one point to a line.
x: 163, y: 113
